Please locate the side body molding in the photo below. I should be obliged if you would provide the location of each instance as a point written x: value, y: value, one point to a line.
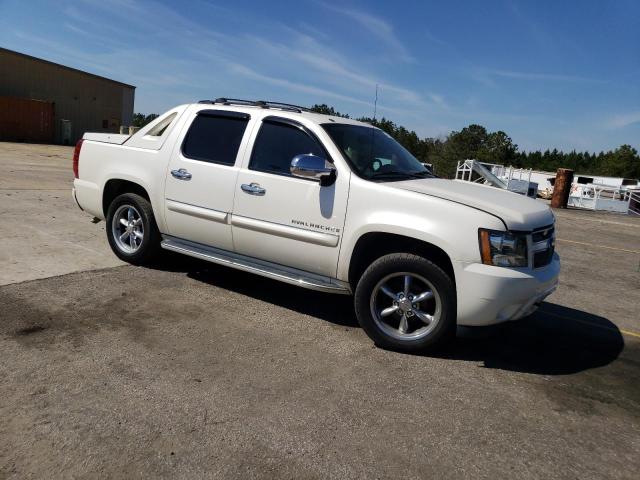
x: 300, y: 234
x: 200, y: 212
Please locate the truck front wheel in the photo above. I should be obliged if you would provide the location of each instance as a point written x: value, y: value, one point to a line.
x: 406, y: 303
x: 131, y: 229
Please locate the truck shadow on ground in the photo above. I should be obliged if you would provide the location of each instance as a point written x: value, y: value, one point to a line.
x: 556, y: 340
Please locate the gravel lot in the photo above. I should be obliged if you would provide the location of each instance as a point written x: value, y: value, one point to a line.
x: 192, y: 370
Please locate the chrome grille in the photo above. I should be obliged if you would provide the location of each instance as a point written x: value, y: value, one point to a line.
x: 543, y: 243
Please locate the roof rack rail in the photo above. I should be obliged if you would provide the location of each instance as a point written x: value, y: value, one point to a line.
x: 257, y: 103
x: 286, y: 106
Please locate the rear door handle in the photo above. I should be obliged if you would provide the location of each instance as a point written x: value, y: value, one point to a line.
x: 181, y: 174
x: 253, y: 189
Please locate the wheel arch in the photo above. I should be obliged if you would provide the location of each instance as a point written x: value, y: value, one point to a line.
x: 373, y: 245
x: 117, y: 186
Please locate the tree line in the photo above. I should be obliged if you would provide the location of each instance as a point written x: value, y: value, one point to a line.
x: 475, y: 141
x: 140, y: 119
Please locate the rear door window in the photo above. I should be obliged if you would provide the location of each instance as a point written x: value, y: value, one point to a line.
x: 215, y: 136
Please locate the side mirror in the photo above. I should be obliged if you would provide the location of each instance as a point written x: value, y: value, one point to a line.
x: 316, y: 168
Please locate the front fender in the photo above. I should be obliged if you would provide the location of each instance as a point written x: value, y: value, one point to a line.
x: 450, y: 226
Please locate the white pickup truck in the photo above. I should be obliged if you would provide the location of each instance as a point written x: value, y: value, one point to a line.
x: 326, y: 203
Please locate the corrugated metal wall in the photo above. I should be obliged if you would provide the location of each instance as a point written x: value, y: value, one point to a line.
x: 91, y: 103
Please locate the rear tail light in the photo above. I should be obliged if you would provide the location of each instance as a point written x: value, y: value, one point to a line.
x: 76, y: 157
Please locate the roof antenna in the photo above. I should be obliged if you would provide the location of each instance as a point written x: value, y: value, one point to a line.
x: 375, y: 110
x: 375, y: 104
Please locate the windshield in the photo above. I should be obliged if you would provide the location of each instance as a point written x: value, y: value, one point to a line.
x: 373, y: 154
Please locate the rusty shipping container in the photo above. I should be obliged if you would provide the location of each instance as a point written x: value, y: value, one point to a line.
x: 26, y: 120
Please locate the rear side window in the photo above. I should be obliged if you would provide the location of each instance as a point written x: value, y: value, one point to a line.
x: 277, y: 144
x: 162, y: 126
x: 215, y: 138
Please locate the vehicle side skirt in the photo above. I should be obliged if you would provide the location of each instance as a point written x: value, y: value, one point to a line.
x: 275, y: 271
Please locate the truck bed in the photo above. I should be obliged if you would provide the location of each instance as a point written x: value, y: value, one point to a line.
x: 106, y: 137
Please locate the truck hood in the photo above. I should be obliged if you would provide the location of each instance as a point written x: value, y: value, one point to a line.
x: 516, y: 211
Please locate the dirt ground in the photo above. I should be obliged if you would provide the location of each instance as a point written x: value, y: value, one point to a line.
x: 190, y: 370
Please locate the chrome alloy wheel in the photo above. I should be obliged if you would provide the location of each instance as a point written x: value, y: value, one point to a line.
x: 127, y: 229
x: 406, y: 306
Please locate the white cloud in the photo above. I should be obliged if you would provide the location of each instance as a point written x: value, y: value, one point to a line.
x: 325, y: 67
x: 331, y: 65
x: 489, y: 76
x: 377, y: 27
x: 540, y: 76
x: 170, y: 56
x: 282, y: 82
x: 76, y: 29
x: 623, y: 120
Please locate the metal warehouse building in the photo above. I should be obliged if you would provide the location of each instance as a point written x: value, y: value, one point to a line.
x: 42, y: 101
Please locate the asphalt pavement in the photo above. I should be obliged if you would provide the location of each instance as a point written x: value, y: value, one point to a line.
x: 191, y: 370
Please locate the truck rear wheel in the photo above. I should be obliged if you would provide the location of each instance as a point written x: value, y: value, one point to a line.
x: 131, y: 229
x: 406, y: 303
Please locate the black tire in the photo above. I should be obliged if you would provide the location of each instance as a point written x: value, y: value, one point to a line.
x: 392, y: 268
x: 149, y: 248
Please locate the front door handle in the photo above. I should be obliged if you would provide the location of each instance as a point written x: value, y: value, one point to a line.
x: 181, y: 174
x: 253, y: 189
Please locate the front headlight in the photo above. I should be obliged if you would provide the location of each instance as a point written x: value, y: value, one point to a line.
x: 503, y: 249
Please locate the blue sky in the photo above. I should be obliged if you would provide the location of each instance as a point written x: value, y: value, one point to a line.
x: 552, y: 74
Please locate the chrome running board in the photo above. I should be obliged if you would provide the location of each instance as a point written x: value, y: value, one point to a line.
x: 275, y: 271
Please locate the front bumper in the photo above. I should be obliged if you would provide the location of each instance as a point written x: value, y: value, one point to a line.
x: 488, y: 295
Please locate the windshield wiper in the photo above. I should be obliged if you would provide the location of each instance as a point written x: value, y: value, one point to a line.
x: 423, y: 174
x: 391, y: 174
x: 398, y: 174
